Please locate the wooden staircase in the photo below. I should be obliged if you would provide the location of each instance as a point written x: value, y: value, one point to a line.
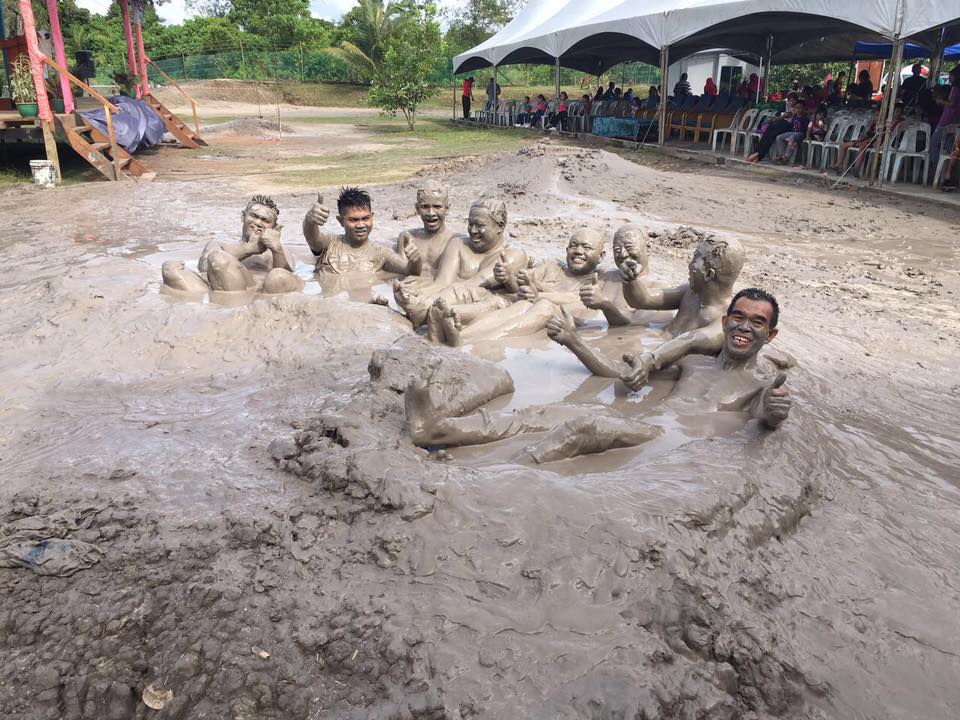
x: 184, y: 135
x: 112, y: 161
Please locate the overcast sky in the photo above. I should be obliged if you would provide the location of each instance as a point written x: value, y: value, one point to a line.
x: 175, y: 11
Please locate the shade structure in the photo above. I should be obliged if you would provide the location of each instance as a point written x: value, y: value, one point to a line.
x: 911, y: 51
x: 595, y: 36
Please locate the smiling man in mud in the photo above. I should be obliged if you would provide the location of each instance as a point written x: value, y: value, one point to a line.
x: 541, y: 291
x: 352, y: 253
x: 223, y: 266
x: 466, y: 271
x: 431, y: 240
x: 732, y: 382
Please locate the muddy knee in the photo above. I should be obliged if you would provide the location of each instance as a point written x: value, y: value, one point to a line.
x: 281, y: 281
x: 177, y: 277
x: 225, y: 273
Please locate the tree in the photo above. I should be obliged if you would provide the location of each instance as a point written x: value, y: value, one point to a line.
x: 211, y: 8
x: 477, y: 20
x: 782, y: 76
x: 401, y: 83
x: 368, y: 29
x: 281, y: 23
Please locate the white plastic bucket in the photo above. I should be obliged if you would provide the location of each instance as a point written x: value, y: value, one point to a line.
x: 44, y: 173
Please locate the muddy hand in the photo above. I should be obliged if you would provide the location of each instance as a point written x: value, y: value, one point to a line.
x: 411, y: 250
x: 637, y: 372
x: 630, y: 270
x: 776, y: 400
x: 527, y: 291
x: 590, y: 292
x: 502, y: 272
x: 318, y: 213
x: 270, y: 238
x: 561, y: 327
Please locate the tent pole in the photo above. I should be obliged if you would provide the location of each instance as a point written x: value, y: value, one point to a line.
x: 759, y: 82
x: 763, y: 86
x: 557, y: 73
x: 936, y: 61
x: 893, y: 85
x: 61, y: 54
x: 662, y: 109
x: 3, y: 36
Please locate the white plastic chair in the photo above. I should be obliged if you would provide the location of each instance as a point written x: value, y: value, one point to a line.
x: 907, y: 144
x: 947, y: 140
x: 753, y: 133
x: 741, y: 121
x: 837, y: 122
x: 845, y: 133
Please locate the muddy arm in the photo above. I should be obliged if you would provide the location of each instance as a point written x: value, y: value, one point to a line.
x: 400, y: 264
x: 704, y: 341
x: 515, y: 259
x: 643, y: 297
x: 240, y: 251
x: 595, y: 363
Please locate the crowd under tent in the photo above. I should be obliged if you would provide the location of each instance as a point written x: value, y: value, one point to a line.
x: 593, y: 38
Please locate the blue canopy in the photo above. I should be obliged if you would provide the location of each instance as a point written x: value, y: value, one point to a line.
x: 910, y: 51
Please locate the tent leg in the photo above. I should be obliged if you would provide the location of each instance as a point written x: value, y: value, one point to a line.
x: 937, y: 61
x: 557, y: 79
x: 662, y: 122
x: 893, y: 85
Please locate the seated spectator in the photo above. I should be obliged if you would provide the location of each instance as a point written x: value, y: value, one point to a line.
x: 599, y: 96
x: 524, y: 112
x: 871, y: 138
x: 817, y: 129
x: 862, y: 91
x: 754, y: 86
x: 948, y: 116
x: 786, y: 144
x: 654, y: 93
x: 618, y: 94
x: 636, y: 105
x: 558, y: 119
x: 710, y: 88
x: 682, y: 88
x: 912, y: 87
x: 586, y: 105
x: 781, y: 124
x: 608, y: 95
x: 743, y: 90
x: 628, y: 95
x: 933, y: 103
x: 539, y: 110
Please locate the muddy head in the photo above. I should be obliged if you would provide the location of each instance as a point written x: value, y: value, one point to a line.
x: 432, y: 206
x: 749, y: 323
x: 630, y: 241
x: 260, y: 214
x: 716, y: 261
x: 355, y: 215
x: 487, y: 221
x: 585, y: 251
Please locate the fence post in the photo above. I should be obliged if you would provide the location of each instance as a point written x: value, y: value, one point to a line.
x: 302, y: 77
x: 183, y: 64
x: 243, y: 62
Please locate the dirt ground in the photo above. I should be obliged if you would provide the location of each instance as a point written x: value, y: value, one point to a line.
x: 254, y: 535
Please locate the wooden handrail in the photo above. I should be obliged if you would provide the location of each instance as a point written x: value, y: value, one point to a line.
x: 193, y: 103
x: 81, y: 84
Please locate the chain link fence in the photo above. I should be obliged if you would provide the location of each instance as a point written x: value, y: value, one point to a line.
x: 306, y: 64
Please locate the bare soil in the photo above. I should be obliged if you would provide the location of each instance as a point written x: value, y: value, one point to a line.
x: 273, y: 546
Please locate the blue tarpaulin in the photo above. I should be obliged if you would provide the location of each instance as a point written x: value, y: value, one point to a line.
x: 136, y: 126
x: 910, y: 51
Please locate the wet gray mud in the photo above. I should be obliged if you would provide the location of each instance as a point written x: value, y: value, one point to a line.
x: 267, y: 543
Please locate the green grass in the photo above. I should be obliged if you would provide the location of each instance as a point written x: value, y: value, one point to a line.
x: 431, y: 141
x: 10, y: 177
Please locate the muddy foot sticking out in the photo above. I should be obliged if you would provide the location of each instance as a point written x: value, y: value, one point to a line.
x: 420, y: 402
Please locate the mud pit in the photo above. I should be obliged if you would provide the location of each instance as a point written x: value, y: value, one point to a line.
x: 274, y: 547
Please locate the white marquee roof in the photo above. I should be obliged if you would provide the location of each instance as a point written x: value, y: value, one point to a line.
x: 593, y: 35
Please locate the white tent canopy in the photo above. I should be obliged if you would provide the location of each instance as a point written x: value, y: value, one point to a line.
x: 594, y: 36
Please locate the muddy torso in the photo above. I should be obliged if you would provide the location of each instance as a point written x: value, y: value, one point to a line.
x: 691, y: 316
x: 431, y: 247
x: 339, y: 258
x: 472, y: 262
x: 704, y: 386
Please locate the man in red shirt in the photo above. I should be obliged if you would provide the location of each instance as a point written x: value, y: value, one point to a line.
x: 467, y: 97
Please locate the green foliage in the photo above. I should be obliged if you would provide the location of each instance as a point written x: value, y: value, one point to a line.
x: 367, y: 30
x: 783, y: 76
x: 475, y: 21
x: 280, y: 22
x: 401, y: 83
x: 21, y: 77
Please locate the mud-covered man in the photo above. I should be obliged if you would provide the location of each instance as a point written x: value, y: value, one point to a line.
x: 432, y: 205
x: 731, y: 382
x: 226, y: 266
x: 352, y: 252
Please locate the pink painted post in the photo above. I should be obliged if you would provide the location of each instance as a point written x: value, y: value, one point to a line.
x: 128, y: 32
x: 57, y: 32
x: 142, y: 56
x: 36, y: 59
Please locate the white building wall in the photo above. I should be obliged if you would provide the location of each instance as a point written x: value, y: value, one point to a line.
x: 707, y: 64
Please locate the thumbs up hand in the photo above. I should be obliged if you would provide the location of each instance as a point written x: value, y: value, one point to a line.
x: 775, y: 403
x: 504, y: 275
x: 590, y: 294
x: 318, y: 214
x: 270, y: 238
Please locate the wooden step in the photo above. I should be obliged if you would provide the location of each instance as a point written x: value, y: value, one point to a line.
x: 83, y: 128
x: 100, y: 146
x: 184, y: 135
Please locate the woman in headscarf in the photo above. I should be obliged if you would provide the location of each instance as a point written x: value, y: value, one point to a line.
x: 710, y: 88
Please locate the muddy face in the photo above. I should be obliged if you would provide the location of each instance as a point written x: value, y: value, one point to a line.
x: 357, y: 225
x: 485, y: 233
x: 432, y: 209
x: 699, y: 272
x: 584, y: 252
x: 630, y: 245
x: 747, y: 328
x: 256, y: 219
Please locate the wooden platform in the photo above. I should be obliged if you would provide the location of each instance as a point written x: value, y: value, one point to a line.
x: 13, y: 119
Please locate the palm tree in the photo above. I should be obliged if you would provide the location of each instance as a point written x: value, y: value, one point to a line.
x: 372, y: 22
